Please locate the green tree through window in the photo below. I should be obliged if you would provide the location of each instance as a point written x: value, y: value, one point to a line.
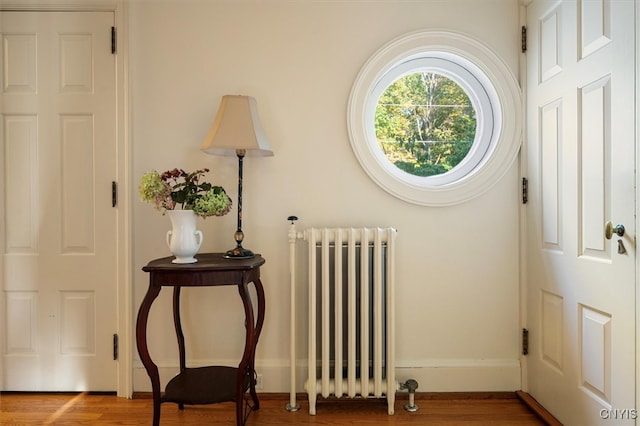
x: 425, y: 123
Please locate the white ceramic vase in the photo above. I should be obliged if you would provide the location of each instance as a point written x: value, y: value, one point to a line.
x: 184, y: 240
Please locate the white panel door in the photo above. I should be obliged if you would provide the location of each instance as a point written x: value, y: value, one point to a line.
x: 581, y: 164
x: 58, y: 227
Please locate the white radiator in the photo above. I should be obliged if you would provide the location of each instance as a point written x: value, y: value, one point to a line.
x: 351, y: 334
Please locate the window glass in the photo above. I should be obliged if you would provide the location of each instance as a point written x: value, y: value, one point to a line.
x: 425, y: 123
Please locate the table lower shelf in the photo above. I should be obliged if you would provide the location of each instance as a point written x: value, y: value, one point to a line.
x: 204, y: 385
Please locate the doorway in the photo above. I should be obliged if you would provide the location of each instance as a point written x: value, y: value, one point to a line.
x: 62, y: 245
x: 581, y: 266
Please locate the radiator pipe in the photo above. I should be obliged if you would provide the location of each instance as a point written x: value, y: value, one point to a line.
x: 292, y: 405
x: 411, y: 386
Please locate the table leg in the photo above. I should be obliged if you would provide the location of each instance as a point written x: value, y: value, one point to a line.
x: 179, y: 334
x: 143, y: 349
x: 259, y: 322
x: 246, y: 364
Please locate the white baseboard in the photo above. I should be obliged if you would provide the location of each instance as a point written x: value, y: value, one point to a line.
x: 433, y: 375
x: 462, y: 375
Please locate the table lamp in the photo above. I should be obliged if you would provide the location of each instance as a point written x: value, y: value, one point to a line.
x: 236, y: 130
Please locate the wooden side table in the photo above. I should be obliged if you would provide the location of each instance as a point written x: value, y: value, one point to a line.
x: 205, y: 385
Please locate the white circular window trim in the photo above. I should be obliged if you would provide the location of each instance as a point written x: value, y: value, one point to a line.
x: 501, y: 88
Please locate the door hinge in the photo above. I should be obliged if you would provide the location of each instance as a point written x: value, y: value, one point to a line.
x: 525, y: 190
x: 114, y: 193
x: 523, y: 39
x: 525, y: 341
x: 113, y: 40
x: 115, y: 347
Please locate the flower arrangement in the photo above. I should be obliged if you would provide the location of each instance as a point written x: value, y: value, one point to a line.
x: 175, y: 189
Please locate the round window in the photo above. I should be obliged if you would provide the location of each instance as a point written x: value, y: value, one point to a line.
x: 427, y: 118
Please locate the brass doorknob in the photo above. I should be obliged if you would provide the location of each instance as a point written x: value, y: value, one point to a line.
x: 609, y: 230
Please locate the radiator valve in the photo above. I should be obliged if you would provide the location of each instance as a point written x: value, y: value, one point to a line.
x: 411, y: 386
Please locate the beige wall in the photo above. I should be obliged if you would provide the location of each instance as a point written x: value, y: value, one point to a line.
x: 457, y: 267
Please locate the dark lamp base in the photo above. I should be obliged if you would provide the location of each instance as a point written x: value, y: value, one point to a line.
x: 239, y: 253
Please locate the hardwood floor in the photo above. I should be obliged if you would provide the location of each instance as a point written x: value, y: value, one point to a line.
x: 104, y: 409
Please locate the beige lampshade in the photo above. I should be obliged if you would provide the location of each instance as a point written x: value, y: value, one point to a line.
x: 237, y: 127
